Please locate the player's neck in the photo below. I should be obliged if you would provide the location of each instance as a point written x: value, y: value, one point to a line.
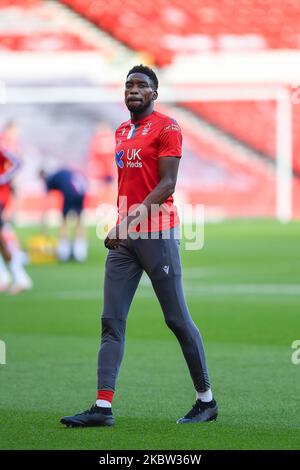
x: 138, y: 116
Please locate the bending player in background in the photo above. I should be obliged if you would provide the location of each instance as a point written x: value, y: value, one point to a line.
x: 13, y: 276
x: 72, y: 186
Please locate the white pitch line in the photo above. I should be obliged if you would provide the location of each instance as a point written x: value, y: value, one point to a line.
x: 192, y: 291
x: 255, y: 289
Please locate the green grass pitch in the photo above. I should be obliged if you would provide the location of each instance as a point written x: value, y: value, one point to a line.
x: 243, y: 291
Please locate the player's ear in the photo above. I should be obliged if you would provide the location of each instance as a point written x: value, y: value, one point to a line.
x: 154, y: 95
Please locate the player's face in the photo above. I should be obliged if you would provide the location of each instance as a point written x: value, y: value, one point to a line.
x: 138, y: 92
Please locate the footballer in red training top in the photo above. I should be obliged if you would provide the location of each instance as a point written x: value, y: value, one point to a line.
x: 13, y: 277
x: 5, y: 172
x: 148, y: 152
x: 9, y: 164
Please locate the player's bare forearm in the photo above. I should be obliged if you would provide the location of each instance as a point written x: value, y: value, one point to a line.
x: 160, y: 193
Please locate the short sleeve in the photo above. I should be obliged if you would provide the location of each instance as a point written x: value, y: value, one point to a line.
x: 170, y: 140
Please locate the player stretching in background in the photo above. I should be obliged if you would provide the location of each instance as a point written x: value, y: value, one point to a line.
x: 12, y: 274
x: 148, y: 152
x: 72, y: 186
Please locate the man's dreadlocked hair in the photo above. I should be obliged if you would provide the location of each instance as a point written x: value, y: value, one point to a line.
x: 147, y: 71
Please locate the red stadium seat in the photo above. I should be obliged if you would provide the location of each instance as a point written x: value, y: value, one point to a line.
x: 252, y: 123
x: 256, y: 24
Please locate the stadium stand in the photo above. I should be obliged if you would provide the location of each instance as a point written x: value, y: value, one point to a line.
x: 19, y: 3
x: 252, y: 123
x: 191, y: 25
x: 38, y: 30
x: 236, y: 117
x: 181, y: 26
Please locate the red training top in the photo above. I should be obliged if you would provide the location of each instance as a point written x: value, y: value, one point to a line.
x: 8, y: 166
x: 139, y: 145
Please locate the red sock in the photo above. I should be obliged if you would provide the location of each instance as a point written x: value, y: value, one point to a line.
x: 105, y: 395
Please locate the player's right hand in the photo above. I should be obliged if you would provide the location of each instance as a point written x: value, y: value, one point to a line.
x: 112, y: 240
